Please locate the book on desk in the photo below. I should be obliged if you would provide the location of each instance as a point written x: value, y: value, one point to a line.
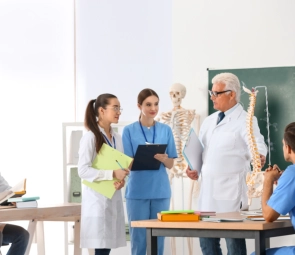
x: 178, y: 217
x: 16, y: 191
x: 25, y: 201
x: 26, y: 204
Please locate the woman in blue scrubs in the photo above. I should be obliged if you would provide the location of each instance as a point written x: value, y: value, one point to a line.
x: 148, y: 191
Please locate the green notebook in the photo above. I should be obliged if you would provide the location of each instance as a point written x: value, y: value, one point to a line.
x: 23, y: 199
x: 178, y: 211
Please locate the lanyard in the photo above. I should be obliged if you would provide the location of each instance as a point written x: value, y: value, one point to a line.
x: 107, y: 140
x: 144, y: 133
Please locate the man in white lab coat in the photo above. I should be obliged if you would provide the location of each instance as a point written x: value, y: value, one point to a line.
x: 226, y: 159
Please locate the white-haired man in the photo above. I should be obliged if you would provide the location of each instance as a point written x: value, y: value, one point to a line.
x: 226, y: 159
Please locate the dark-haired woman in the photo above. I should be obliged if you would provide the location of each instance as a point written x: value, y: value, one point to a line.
x: 148, y: 191
x: 102, y: 219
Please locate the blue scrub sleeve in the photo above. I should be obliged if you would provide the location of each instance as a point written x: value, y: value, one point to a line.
x: 126, y: 138
x: 282, y: 200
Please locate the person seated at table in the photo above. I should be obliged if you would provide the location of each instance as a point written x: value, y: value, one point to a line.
x: 15, y: 235
x: 281, y: 200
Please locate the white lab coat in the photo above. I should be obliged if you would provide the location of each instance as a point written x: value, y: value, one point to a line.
x: 3, y: 186
x: 102, y: 219
x: 226, y: 161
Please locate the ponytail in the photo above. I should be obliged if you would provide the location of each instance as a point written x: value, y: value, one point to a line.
x: 90, y: 123
x: 91, y: 117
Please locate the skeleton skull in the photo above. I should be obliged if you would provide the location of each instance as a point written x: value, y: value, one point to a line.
x: 177, y: 93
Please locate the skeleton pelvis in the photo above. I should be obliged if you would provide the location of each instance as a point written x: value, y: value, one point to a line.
x: 255, y: 184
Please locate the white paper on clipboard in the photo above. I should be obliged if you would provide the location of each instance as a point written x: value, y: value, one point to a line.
x: 192, y: 151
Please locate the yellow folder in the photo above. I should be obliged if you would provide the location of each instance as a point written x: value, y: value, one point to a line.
x: 106, y: 160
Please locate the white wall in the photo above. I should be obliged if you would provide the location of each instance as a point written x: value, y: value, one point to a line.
x: 36, y: 96
x: 228, y: 34
x: 122, y: 48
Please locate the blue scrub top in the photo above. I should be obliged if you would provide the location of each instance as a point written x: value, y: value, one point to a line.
x: 148, y: 184
x: 283, y: 198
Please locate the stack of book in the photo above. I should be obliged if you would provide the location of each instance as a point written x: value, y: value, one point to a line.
x: 24, y: 202
x: 178, y: 215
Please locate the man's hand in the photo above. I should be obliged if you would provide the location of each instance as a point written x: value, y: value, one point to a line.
x: 275, y: 173
x: 192, y: 174
x: 262, y: 160
x: 271, y: 176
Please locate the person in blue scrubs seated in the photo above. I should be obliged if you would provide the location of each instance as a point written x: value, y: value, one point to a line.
x: 148, y: 191
x: 281, y: 200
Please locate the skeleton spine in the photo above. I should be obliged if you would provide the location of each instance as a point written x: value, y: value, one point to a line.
x: 251, y: 138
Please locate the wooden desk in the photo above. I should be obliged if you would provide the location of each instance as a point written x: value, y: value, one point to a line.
x: 261, y: 231
x: 62, y: 212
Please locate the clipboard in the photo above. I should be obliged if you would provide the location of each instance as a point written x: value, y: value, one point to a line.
x: 106, y: 159
x: 192, y: 151
x: 144, y: 157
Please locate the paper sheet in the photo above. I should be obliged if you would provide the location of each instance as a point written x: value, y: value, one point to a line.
x: 192, y: 151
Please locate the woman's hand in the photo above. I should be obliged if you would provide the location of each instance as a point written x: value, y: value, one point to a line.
x: 120, y: 174
x: 119, y: 184
x: 168, y: 162
x: 161, y: 157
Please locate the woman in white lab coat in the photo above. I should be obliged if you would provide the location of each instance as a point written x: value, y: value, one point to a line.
x: 15, y: 235
x: 102, y: 219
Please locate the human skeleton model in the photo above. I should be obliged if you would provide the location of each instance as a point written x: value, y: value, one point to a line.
x: 180, y: 121
x: 254, y: 179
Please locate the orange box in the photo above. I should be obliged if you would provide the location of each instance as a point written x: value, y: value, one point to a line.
x: 178, y: 217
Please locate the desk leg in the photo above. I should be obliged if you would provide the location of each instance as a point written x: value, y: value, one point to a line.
x: 267, y: 243
x: 31, y: 230
x: 260, y: 241
x: 77, y: 249
x: 152, y: 243
x: 40, y: 238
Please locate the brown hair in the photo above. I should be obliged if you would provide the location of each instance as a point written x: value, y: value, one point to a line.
x: 91, y: 116
x: 289, y: 135
x: 144, y: 94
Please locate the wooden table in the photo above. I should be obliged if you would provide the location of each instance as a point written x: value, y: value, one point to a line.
x: 62, y: 212
x: 261, y: 231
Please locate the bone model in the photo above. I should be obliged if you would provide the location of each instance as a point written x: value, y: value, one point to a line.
x: 180, y: 121
x: 254, y: 179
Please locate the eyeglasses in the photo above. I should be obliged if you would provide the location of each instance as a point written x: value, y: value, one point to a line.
x: 115, y: 108
x: 215, y: 93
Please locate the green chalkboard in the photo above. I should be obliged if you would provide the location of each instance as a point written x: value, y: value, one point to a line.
x: 280, y: 87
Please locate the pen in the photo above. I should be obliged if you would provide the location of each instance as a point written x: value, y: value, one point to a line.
x: 120, y: 165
